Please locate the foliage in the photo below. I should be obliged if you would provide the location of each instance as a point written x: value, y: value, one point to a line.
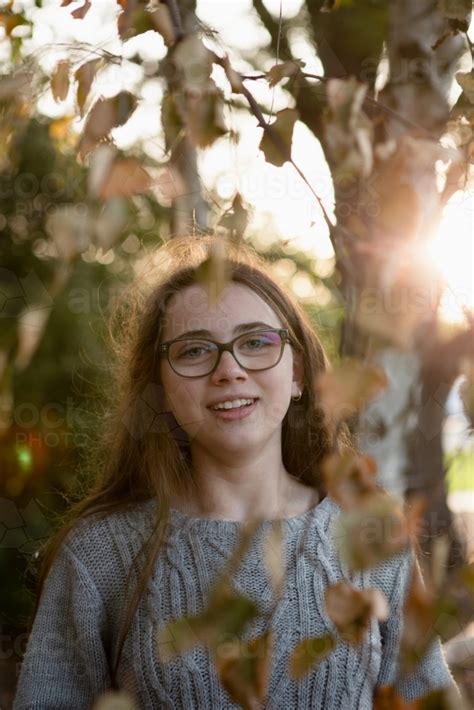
x: 76, y: 208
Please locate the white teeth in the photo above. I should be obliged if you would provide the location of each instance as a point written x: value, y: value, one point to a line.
x: 233, y: 404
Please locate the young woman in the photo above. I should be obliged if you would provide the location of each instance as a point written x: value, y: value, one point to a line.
x: 217, y: 423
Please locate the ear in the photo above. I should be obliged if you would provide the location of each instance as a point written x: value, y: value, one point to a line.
x: 297, y: 385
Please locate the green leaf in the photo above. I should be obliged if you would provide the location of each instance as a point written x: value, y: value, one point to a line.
x: 277, y: 138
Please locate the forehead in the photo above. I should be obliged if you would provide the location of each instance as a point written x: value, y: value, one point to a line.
x: 193, y: 309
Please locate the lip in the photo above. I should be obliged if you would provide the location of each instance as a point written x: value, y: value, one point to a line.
x: 231, y: 398
x: 232, y: 414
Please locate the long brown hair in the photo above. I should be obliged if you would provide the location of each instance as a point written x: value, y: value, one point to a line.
x: 143, y: 454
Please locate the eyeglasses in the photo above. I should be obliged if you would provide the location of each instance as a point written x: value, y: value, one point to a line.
x: 257, y: 350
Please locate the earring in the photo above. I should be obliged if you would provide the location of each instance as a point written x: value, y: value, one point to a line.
x: 298, y: 396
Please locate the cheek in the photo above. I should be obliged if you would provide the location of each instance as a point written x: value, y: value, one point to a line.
x: 183, y: 400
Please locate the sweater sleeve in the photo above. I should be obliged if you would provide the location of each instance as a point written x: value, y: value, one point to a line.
x: 432, y: 672
x: 65, y: 663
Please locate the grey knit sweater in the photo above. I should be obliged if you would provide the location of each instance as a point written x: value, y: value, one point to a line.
x: 66, y: 664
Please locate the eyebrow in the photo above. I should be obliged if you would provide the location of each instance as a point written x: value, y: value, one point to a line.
x: 241, y: 328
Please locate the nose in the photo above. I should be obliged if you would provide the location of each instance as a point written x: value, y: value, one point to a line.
x: 228, y: 369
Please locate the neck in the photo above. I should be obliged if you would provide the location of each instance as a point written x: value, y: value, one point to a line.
x: 246, y: 485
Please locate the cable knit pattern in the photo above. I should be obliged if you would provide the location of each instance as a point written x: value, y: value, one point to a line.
x: 66, y: 663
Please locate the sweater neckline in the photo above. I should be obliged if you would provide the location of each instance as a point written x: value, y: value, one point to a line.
x: 182, y: 519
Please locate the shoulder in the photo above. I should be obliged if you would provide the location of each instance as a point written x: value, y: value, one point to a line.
x: 105, y: 544
x: 127, y: 527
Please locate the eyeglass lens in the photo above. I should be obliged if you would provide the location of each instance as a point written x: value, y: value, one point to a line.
x: 253, y: 351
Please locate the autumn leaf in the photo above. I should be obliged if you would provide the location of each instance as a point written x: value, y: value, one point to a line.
x: 284, y: 70
x: 10, y: 20
x: 235, y: 219
x: 244, y: 670
x: 114, y: 701
x: 466, y: 82
x: 346, y: 389
x: 169, y: 185
x: 84, y: 77
x: 234, y: 78
x: 386, y: 698
x: 125, y: 178
x: 277, y: 138
x: 213, y: 273
x: 111, y: 222
x: 82, y: 11
x: 105, y: 115
x: 351, y: 609
x: 349, y: 478
x: 204, y: 115
x: 419, y: 614
x: 273, y: 552
x: 374, y: 531
x: 226, y: 616
x: 308, y: 653
x: 70, y: 226
x: 60, y: 81
x: 163, y: 24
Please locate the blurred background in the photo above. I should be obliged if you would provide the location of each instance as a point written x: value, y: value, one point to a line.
x: 71, y: 240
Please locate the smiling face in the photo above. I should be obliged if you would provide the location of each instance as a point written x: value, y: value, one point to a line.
x: 256, y: 423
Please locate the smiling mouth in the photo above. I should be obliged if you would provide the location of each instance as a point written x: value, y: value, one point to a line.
x: 233, y: 404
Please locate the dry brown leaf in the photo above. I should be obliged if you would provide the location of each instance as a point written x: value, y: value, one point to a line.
x: 351, y: 609
x: 273, y: 551
x: 235, y: 219
x: 235, y: 80
x: 309, y: 652
x: 346, y: 389
x: 169, y: 185
x: 349, y: 478
x: 386, y: 698
x: 71, y: 229
x: 244, y: 670
x: 82, y: 11
x: 372, y: 532
x: 204, y: 115
x: 214, y: 273
x: 277, y: 138
x: 466, y: 82
x: 163, y: 24
x: 114, y: 701
x: 110, y: 222
x: 125, y: 178
x: 226, y: 616
x: 60, y: 81
x: 418, y: 622
x: 31, y: 326
x: 84, y: 77
x: 105, y: 115
x: 284, y: 70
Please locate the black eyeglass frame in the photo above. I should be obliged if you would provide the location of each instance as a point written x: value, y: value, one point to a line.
x: 228, y: 347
